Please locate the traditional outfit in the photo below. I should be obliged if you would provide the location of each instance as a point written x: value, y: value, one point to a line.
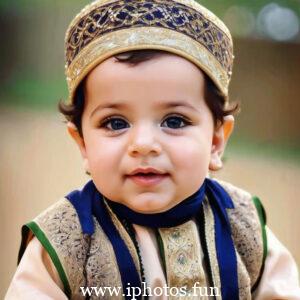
x: 85, y: 240
x: 211, y: 245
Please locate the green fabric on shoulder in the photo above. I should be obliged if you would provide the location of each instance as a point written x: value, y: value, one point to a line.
x: 263, y: 221
x: 35, y: 229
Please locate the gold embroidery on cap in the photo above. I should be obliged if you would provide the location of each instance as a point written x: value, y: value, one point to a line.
x: 102, y: 29
x: 144, y: 38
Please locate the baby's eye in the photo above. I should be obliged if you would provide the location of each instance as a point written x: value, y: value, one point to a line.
x: 114, y: 124
x: 175, y: 122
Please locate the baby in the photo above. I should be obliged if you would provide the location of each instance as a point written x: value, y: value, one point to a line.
x: 149, y: 111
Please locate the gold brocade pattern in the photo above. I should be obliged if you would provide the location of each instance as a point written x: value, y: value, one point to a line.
x: 246, y: 230
x: 247, y: 237
x: 182, y: 27
x: 61, y: 225
x: 169, y: 14
x: 183, y: 258
x: 101, y: 267
x: 79, y: 255
x: 144, y: 38
x: 191, y: 3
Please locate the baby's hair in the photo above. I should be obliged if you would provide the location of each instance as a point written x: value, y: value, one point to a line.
x: 213, y: 98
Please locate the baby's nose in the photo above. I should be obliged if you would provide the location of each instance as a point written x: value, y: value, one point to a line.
x: 144, y: 141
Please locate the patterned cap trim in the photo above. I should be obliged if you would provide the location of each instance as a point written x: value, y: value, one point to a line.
x: 106, y: 28
x: 144, y: 38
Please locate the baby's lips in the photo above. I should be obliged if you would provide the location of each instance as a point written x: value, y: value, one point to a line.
x: 147, y: 170
x: 147, y: 179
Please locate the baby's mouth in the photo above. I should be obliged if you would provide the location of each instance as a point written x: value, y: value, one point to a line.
x: 147, y: 177
x: 144, y: 174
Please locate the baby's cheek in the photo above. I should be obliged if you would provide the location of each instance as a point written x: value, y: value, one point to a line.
x: 103, y: 156
x: 193, y: 155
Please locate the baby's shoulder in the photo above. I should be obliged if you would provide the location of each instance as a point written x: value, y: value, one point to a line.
x: 59, y: 231
x: 248, y: 208
x: 237, y: 194
x: 60, y: 216
x: 57, y: 225
x: 248, y: 221
x: 62, y: 207
x: 245, y: 203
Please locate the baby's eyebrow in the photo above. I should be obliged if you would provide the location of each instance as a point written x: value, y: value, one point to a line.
x: 118, y: 105
x: 175, y: 104
x: 159, y: 105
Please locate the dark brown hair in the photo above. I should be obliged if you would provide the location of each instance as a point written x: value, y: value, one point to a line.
x: 213, y: 98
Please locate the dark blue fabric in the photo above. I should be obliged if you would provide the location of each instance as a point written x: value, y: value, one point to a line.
x: 82, y: 202
x: 177, y: 215
x: 89, y: 202
x: 220, y: 200
x: 128, y: 271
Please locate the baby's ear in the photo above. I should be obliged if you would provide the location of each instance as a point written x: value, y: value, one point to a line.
x: 74, y: 133
x: 220, y: 138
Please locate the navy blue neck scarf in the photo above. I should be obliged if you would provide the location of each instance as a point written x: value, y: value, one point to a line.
x: 175, y: 216
x: 89, y: 202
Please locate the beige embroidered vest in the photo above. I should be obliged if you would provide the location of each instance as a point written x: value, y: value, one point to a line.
x: 82, y: 260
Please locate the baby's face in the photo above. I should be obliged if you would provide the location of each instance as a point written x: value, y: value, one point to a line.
x: 149, y: 137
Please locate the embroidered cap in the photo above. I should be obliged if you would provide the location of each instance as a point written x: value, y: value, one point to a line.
x: 108, y: 27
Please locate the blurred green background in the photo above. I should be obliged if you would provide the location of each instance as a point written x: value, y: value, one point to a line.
x: 39, y: 163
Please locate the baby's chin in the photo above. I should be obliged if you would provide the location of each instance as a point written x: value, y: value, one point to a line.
x: 149, y: 204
